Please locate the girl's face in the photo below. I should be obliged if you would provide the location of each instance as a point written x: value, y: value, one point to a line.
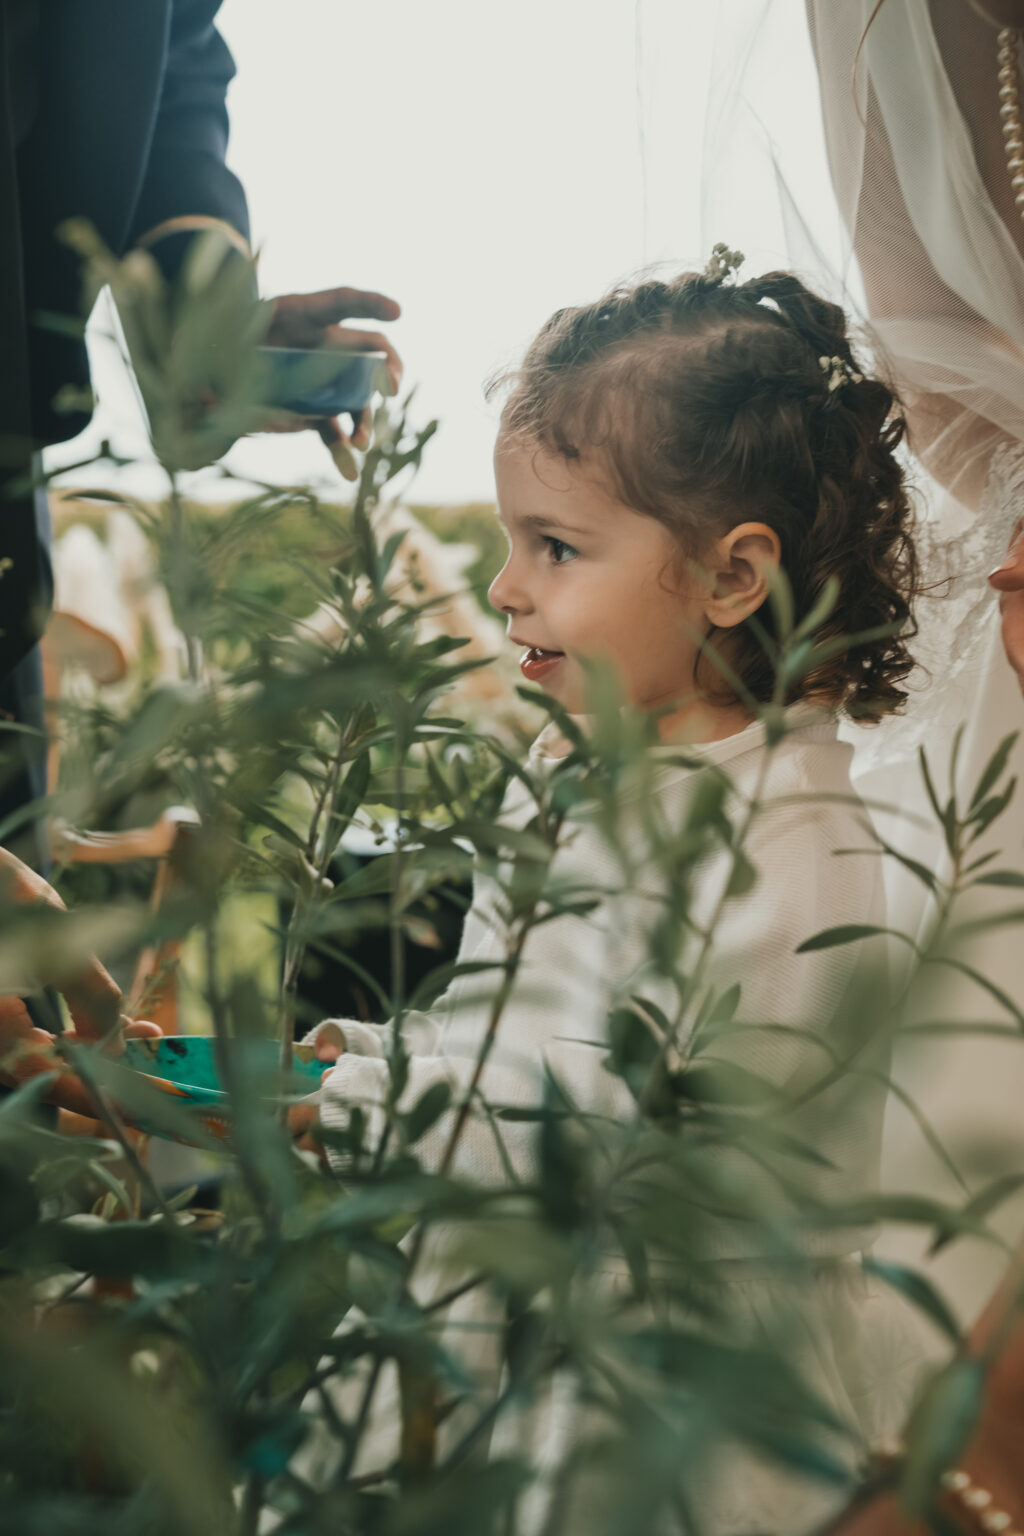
x: 588, y: 577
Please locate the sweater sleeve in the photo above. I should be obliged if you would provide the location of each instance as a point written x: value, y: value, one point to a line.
x: 554, y: 1021
x: 489, y: 1150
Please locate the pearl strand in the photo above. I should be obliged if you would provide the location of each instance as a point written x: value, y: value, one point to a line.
x: 977, y: 1503
x: 1009, y: 111
x: 968, y: 1498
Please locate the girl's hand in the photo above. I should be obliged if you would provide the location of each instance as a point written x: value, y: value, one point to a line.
x: 304, y: 1117
x: 1008, y: 580
x: 329, y: 1043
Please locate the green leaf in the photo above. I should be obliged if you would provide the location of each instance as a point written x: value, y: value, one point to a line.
x: 633, y: 1042
x: 269, y: 1439
x: 426, y: 1112
x: 848, y: 933
x: 944, y: 816
x: 993, y: 770
x: 723, y: 1082
x: 398, y: 1069
x: 441, y: 977
x: 985, y: 1201
x: 939, y: 1429
x: 1012, y: 917
x: 920, y: 871
x: 917, y: 1290
x: 982, y: 981
x: 756, y: 1135
x: 780, y: 595
x: 961, y: 1027
x: 823, y: 606
x: 562, y: 1174
x: 795, y: 662
x: 910, y: 1210
x: 1006, y: 877
x: 114, y: 1186
x: 19, y: 1205
x: 352, y: 789
x: 469, y: 1501
x: 924, y: 1125
x: 954, y: 756
x: 743, y: 876
x: 154, y: 1249
x: 991, y: 809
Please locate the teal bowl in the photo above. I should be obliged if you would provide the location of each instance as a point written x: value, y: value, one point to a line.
x: 185, y: 1067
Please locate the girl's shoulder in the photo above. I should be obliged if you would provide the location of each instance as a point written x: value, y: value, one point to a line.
x: 808, y: 759
x: 807, y: 755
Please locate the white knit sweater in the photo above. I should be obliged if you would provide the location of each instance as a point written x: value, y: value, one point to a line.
x: 574, y: 968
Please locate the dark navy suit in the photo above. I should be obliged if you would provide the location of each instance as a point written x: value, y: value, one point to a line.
x: 114, y: 111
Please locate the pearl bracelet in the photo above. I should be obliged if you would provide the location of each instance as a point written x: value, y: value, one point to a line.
x: 977, y: 1503
x: 969, y: 1498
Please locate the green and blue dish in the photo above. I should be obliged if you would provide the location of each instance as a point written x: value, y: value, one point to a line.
x: 186, y: 1067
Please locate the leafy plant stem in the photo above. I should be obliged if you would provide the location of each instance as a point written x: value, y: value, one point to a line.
x: 251, y: 1505
x: 361, y: 1418
x: 107, y: 1113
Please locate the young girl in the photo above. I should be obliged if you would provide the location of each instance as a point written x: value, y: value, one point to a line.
x: 660, y: 453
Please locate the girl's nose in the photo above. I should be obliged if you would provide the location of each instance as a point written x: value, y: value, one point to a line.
x: 505, y: 594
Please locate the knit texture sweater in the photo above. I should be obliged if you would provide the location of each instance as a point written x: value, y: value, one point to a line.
x: 801, y: 1012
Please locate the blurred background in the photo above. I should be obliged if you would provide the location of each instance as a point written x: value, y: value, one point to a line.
x: 484, y: 165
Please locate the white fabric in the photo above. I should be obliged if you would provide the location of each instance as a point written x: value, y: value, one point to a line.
x: 914, y: 229
x: 926, y: 198
x: 574, y: 967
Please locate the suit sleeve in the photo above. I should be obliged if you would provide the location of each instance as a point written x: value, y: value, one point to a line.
x: 187, y: 178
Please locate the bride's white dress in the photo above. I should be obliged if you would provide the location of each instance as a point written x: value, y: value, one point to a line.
x: 928, y: 250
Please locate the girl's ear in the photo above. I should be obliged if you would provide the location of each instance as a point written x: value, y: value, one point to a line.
x: 737, y: 570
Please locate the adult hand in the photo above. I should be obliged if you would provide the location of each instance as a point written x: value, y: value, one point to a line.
x: 93, y: 998
x: 313, y: 320
x: 1008, y: 580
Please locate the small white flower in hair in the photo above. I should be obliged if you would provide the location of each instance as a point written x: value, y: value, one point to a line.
x: 838, y: 372
x: 723, y: 263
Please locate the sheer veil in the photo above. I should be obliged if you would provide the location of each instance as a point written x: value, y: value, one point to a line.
x: 870, y: 159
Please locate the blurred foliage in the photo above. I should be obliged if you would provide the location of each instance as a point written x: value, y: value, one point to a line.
x: 307, y: 1358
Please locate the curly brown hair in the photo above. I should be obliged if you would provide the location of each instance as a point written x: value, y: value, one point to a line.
x: 708, y: 404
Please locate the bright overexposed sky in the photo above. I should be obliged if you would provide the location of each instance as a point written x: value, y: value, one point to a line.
x: 484, y: 163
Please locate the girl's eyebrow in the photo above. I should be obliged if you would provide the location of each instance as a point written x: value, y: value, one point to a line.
x: 538, y: 520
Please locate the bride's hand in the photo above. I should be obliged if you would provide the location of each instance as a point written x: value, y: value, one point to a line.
x: 1008, y: 580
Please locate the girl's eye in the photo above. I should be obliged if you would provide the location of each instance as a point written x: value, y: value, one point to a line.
x: 561, y: 553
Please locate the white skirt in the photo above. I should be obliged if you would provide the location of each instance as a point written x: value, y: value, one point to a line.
x: 855, y: 1344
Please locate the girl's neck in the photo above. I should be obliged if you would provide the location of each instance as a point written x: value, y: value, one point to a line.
x: 700, y: 721
x: 689, y: 724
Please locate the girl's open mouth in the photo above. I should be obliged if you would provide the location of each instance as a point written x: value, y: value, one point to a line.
x: 536, y: 663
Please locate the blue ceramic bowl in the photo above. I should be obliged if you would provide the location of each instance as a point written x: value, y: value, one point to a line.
x: 321, y: 382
